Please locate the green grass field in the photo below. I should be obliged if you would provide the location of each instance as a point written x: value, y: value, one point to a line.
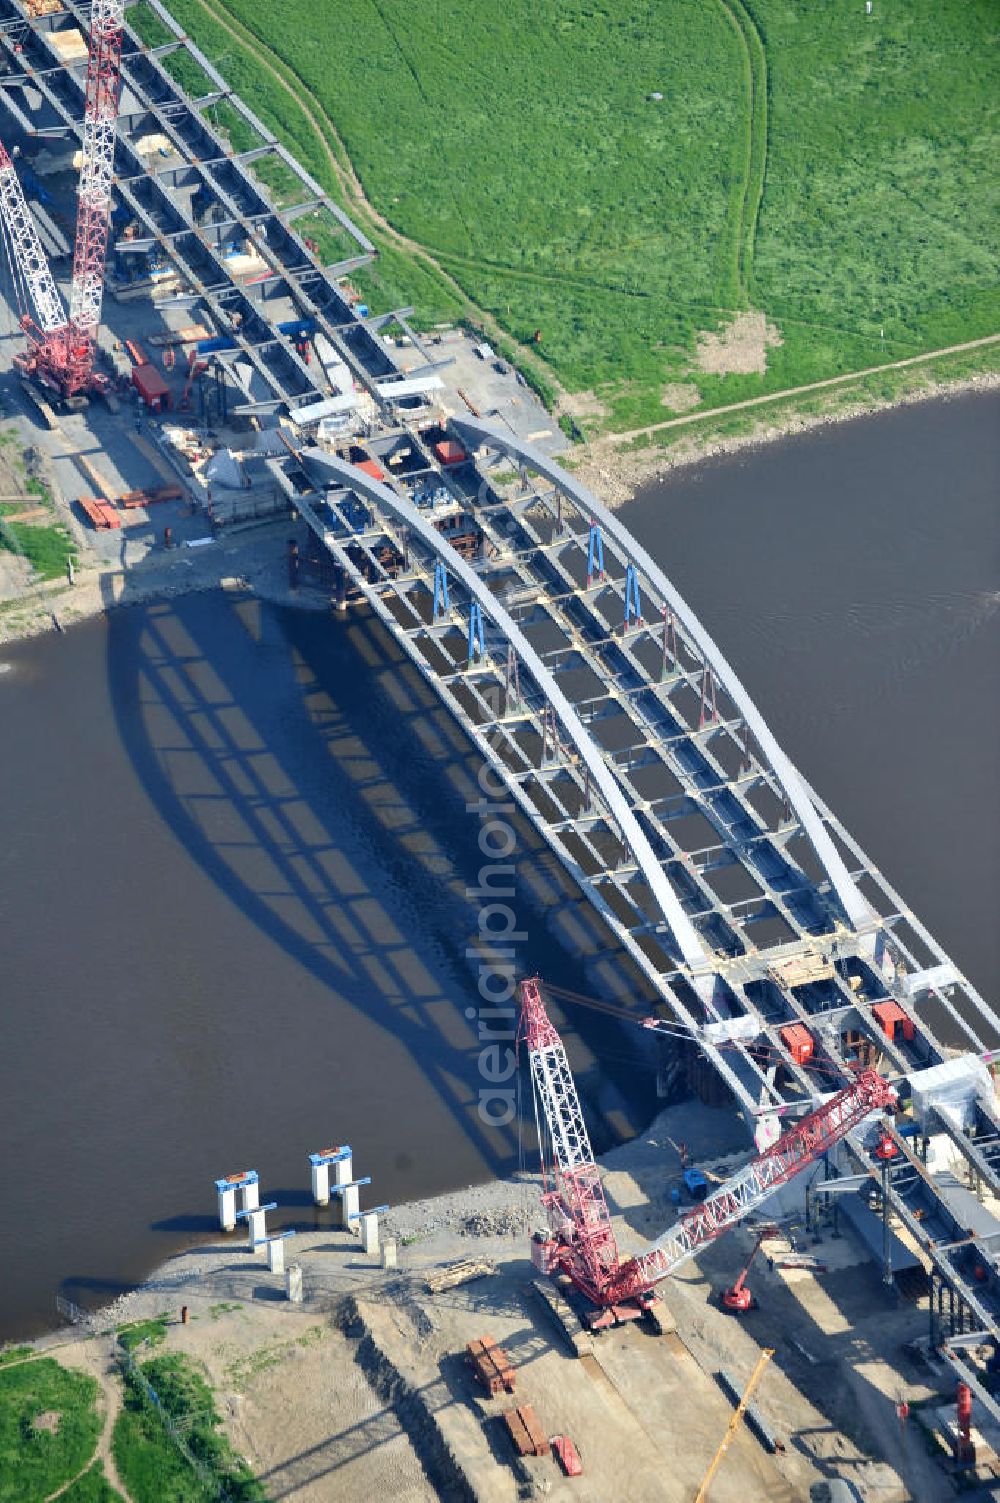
x: 832, y: 170
x: 47, y: 548
x: 36, y: 1459
x: 91, y: 1487
x: 150, y: 1465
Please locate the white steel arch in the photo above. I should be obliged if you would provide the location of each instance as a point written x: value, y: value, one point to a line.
x: 855, y: 905
x: 325, y: 467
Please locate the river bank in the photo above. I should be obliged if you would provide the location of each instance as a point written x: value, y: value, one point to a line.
x: 256, y: 560
x: 391, y: 1352
x: 616, y: 474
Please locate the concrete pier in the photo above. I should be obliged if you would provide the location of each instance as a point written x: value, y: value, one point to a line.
x: 339, y: 1159
x: 389, y: 1258
x: 246, y: 1187
x: 293, y: 1283
x: 349, y: 1205
x: 320, y: 1181
x: 227, y: 1206
x: 256, y: 1217
x: 276, y: 1251
x: 366, y: 1222
x: 369, y: 1233
x: 347, y: 1193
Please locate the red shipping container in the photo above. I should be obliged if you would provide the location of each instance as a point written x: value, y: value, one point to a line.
x: 799, y: 1042
x: 449, y: 452
x: 890, y: 1015
x: 151, y: 387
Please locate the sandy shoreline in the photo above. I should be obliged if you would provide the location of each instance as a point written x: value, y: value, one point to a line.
x: 462, y: 1222
x: 615, y: 475
x: 253, y: 562
x: 372, y: 1348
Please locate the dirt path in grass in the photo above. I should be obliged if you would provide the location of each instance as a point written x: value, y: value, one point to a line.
x: 755, y: 158
x: 610, y: 440
x: 351, y: 185
x: 96, y: 1357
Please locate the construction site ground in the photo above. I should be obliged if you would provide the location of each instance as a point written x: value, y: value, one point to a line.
x: 365, y: 1383
x: 485, y: 385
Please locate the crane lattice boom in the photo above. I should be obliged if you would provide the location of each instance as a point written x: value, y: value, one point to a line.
x: 26, y: 249
x: 801, y: 1145
x: 63, y: 349
x: 93, y: 219
x: 574, y: 1197
x: 573, y: 1194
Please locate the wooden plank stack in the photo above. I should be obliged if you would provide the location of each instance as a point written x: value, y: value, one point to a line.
x: 460, y: 1272
x: 100, y: 513
x: 525, y: 1431
x: 491, y: 1365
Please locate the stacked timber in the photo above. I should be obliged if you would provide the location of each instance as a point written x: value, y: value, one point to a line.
x: 525, y: 1431
x: 491, y: 1365
x: 461, y: 1271
x: 100, y: 513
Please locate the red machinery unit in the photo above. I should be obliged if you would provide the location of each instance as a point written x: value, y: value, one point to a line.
x: 569, y: 1456
x: 370, y: 468
x: 448, y: 452
x: 739, y: 1297
x: 891, y: 1016
x: 965, y: 1451
x: 799, y: 1042
x: 151, y: 387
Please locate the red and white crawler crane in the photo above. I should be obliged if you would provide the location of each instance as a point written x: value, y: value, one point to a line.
x: 583, y: 1242
x: 62, y: 348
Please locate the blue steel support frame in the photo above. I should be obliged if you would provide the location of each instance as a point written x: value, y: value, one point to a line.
x: 441, y: 602
x: 477, y: 639
x: 633, y: 602
x: 595, y: 554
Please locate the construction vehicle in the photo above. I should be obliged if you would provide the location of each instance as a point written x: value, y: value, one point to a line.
x: 62, y: 347
x: 734, y: 1423
x: 581, y: 1240
x: 695, y: 1184
x: 739, y: 1296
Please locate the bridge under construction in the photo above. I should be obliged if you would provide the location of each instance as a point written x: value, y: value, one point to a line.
x: 623, y: 734
x: 776, y: 949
